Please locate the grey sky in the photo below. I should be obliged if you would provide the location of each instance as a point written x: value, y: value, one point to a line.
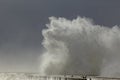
x: 21, y: 22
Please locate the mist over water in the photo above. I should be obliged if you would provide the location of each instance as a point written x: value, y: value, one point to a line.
x: 79, y: 46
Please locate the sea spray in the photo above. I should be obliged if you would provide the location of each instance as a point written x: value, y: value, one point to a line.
x: 79, y: 46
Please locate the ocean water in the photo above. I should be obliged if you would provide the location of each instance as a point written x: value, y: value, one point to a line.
x: 20, y: 76
x: 29, y: 76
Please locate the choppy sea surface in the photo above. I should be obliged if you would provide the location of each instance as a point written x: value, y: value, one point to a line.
x: 20, y: 76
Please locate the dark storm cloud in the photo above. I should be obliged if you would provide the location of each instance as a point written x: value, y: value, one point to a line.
x: 21, y: 22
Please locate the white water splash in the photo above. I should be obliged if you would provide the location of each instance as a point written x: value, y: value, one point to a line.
x: 80, y: 47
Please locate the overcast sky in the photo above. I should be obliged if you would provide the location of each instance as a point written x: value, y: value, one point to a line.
x: 21, y: 22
